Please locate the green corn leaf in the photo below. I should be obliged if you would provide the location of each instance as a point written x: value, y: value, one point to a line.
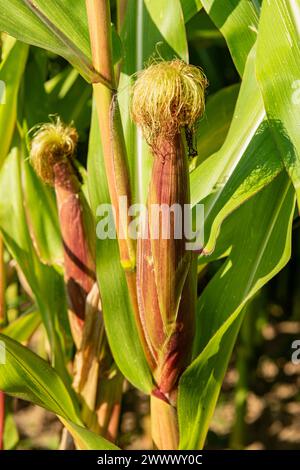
x: 11, y: 71
x: 203, y: 33
x: 264, y: 226
x: 25, y: 375
x: 190, y: 8
x: 280, y: 147
x: 23, y: 327
x: 118, y: 316
x: 248, y: 116
x: 167, y: 19
x: 87, y: 440
x: 60, y: 26
x: 216, y: 329
x: 259, y: 165
x: 40, y: 383
x: 247, y: 161
x: 238, y: 22
x: 278, y: 63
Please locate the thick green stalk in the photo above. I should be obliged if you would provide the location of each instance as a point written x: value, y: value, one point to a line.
x: 113, y: 143
x: 121, y: 11
x: 164, y: 425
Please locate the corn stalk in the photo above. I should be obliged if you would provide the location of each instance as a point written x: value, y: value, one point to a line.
x: 113, y: 144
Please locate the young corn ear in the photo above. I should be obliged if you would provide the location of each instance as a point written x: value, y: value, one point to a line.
x: 52, y: 152
x: 167, y: 99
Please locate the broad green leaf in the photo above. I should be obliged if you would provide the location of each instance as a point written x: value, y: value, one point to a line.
x: 264, y: 225
x: 27, y: 376
x: 151, y: 29
x: 203, y: 33
x: 119, y: 321
x: 87, y: 440
x: 238, y: 22
x: 59, y: 26
x: 23, y: 327
x: 11, y: 71
x: 190, y: 8
x: 259, y: 165
x: 210, y: 177
x: 168, y: 19
x: 278, y: 63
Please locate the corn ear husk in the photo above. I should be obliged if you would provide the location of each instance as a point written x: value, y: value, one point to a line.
x: 78, y: 248
x: 165, y: 287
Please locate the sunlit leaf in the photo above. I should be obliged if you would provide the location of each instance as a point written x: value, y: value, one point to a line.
x: 59, y: 26
x: 278, y: 62
x: 27, y: 376
x: 263, y: 248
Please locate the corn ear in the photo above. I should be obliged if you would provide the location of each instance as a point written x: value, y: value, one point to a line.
x: 166, y: 297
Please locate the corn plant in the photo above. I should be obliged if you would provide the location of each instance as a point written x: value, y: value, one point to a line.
x: 129, y: 104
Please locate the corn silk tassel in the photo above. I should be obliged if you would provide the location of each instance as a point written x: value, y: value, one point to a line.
x: 52, y: 156
x: 167, y: 101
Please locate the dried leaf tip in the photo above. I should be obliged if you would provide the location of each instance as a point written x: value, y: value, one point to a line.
x: 52, y: 143
x: 166, y: 97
